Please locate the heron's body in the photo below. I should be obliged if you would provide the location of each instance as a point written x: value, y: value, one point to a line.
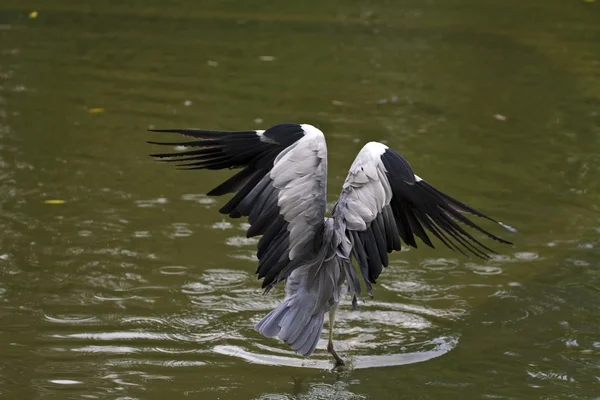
x: 282, y: 190
x: 312, y: 290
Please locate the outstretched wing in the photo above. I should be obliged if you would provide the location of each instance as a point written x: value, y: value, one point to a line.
x: 383, y: 201
x: 281, y: 187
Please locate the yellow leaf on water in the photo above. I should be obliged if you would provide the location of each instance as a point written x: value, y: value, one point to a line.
x: 54, y: 201
x: 33, y: 14
x: 96, y: 110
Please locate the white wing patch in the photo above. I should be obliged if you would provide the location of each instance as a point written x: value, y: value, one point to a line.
x: 312, y: 133
x: 366, y: 189
x: 300, y: 175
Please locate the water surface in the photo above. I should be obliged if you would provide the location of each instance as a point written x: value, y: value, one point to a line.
x: 119, y: 278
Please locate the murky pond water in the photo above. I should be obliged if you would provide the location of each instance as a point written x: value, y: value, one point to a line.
x: 119, y: 279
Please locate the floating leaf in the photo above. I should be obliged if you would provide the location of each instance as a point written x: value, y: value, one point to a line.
x: 54, y: 201
x: 33, y: 14
x: 266, y: 58
x: 95, y: 110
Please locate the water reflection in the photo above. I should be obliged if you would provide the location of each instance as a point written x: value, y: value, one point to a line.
x: 315, y: 391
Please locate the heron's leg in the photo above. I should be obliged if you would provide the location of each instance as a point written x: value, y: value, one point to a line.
x: 338, y: 361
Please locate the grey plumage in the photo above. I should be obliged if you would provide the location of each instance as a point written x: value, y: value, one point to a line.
x: 282, y: 191
x: 311, y: 290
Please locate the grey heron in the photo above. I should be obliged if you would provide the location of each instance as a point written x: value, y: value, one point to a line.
x: 281, y: 188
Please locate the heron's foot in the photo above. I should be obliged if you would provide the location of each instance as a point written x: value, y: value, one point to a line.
x: 338, y: 360
x: 339, y: 363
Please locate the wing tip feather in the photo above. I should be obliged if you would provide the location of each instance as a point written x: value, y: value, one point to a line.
x: 507, y: 227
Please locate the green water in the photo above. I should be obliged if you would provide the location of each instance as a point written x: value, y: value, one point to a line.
x: 136, y: 288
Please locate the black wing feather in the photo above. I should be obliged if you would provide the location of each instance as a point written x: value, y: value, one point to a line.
x: 254, y: 194
x: 415, y: 208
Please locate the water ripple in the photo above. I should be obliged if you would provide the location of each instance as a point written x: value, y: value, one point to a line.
x: 180, y: 229
x: 71, y: 319
x: 151, y: 202
x: 484, y: 269
x: 439, y: 347
x: 240, y: 241
x: 198, y: 198
x: 224, y: 277
x: 173, y: 270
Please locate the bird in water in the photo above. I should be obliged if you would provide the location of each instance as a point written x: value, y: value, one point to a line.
x: 281, y: 188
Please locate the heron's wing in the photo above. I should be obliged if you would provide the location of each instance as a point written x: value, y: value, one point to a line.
x: 281, y: 187
x: 383, y: 201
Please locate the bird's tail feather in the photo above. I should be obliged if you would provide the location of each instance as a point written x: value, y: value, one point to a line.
x: 294, y: 322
